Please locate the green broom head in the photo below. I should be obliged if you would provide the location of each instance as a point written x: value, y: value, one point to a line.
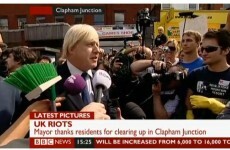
x: 30, y: 76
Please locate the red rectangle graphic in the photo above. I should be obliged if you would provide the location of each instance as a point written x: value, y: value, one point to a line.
x: 41, y: 10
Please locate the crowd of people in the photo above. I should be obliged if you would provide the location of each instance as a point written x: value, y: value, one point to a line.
x: 169, y: 81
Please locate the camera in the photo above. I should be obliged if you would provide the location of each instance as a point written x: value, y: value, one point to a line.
x: 165, y: 78
x: 140, y: 55
x: 126, y: 60
x: 143, y: 18
x: 122, y: 58
x: 165, y: 49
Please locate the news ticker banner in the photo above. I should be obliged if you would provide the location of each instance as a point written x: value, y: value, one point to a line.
x: 79, y: 130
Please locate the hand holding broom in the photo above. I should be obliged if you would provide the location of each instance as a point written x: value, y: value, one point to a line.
x: 34, y: 79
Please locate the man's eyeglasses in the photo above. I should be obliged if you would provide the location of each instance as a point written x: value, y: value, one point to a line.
x: 209, y: 49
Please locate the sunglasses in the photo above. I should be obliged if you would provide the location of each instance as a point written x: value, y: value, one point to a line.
x: 169, y: 48
x: 172, y: 48
x: 209, y: 49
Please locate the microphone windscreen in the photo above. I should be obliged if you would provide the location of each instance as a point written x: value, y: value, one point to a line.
x: 74, y: 84
x: 133, y: 111
x: 101, y: 77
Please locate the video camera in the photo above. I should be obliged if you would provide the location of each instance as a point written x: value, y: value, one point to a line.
x: 143, y: 20
x: 141, y: 93
x: 140, y: 55
x: 166, y: 78
x: 124, y: 71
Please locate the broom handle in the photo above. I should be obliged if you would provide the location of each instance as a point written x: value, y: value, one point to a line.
x: 53, y: 97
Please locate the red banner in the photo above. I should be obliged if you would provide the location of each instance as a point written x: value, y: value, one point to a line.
x: 161, y: 142
x: 130, y: 142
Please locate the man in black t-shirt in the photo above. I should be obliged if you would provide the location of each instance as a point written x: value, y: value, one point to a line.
x: 209, y: 86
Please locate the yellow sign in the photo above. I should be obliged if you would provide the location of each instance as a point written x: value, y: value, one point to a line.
x: 213, y: 26
x: 173, y: 31
x: 215, y: 19
x: 170, y: 15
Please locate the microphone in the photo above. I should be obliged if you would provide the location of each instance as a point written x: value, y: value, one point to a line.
x: 133, y: 111
x: 101, y: 81
x: 74, y: 84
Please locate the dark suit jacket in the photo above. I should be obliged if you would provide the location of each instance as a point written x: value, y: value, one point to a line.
x: 75, y: 102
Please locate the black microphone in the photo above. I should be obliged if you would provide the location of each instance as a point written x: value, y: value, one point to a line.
x: 133, y: 111
x: 101, y: 81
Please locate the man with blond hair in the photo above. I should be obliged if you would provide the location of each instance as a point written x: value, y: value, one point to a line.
x: 81, y: 51
x: 190, y: 44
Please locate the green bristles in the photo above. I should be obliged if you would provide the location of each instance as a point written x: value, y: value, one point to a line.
x: 28, y: 77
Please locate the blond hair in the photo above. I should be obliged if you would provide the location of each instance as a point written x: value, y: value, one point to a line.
x: 196, y: 34
x: 77, y: 33
x: 175, y: 43
x: 161, y: 28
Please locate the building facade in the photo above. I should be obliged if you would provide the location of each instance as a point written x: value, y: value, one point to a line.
x: 13, y: 16
x: 18, y: 24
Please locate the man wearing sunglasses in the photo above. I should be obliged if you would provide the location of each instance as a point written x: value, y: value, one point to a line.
x: 190, y: 44
x: 209, y: 86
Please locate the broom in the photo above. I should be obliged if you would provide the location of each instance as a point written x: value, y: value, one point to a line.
x: 34, y: 79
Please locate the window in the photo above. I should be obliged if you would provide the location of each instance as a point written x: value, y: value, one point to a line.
x: 78, y: 19
x: 40, y: 19
x: 119, y: 18
x: 226, y: 6
x: 99, y: 19
x: 193, y: 6
x: 59, y: 19
x: 21, y: 22
x: 3, y: 24
x: 165, y: 6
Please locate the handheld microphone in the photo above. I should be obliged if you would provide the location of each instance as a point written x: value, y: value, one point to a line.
x: 101, y: 81
x: 74, y: 84
x: 133, y: 111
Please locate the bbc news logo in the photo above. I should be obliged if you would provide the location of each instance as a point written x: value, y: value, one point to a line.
x: 43, y: 141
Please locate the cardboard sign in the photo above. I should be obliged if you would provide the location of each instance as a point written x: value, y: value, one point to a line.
x: 199, y: 24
